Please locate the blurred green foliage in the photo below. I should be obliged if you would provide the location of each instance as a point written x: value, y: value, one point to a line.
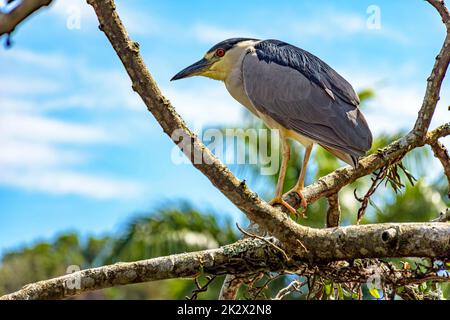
x: 182, y: 228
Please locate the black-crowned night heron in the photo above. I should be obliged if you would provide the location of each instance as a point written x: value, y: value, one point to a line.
x: 293, y: 91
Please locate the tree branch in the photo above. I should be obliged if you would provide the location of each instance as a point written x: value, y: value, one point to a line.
x: 444, y: 216
x: 230, y: 287
x: 228, y: 259
x: 10, y: 20
x: 232, y: 283
x: 440, y: 132
x: 440, y: 6
x: 441, y: 152
x: 253, y: 256
x: 437, y: 76
x: 334, y: 211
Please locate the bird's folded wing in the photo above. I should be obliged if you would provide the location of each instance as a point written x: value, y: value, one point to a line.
x: 313, y: 68
x: 298, y: 104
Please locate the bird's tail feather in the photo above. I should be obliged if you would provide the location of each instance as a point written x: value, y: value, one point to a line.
x: 347, y: 158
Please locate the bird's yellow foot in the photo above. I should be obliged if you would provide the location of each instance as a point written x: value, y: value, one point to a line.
x: 279, y: 200
x: 303, y: 201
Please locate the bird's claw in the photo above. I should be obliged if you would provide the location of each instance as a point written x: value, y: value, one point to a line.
x: 279, y: 200
x: 291, y: 209
x: 303, y: 202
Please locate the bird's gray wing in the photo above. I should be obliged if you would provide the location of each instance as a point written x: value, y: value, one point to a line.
x: 313, y: 68
x: 299, y: 104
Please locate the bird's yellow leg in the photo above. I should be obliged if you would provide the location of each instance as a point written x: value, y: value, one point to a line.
x: 301, y: 180
x: 285, y: 155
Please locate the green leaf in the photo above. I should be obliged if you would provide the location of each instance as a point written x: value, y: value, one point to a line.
x: 328, y: 289
x: 423, y: 287
x: 422, y: 269
x: 375, y: 293
x: 340, y: 292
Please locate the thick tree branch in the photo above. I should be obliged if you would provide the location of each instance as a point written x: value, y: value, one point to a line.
x: 10, y: 20
x: 228, y: 259
x: 440, y: 6
x: 253, y: 256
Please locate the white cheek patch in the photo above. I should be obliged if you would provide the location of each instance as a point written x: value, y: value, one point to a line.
x: 222, y: 67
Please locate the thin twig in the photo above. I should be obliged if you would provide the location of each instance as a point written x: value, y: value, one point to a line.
x: 292, y: 287
x: 376, y: 181
x: 444, y: 216
x: 201, y: 288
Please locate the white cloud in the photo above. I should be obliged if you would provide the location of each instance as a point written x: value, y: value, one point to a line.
x: 112, y: 87
x: 396, y: 107
x: 42, y: 153
x: 13, y: 84
x: 332, y: 23
x: 44, y: 129
x: 143, y: 23
x: 46, y: 61
x: 29, y: 155
x: 39, y: 154
x: 337, y: 24
x: 397, y: 100
x: 62, y: 182
x: 16, y: 104
x: 213, y: 106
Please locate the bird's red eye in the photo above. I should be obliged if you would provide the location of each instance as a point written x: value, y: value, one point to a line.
x: 220, y: 52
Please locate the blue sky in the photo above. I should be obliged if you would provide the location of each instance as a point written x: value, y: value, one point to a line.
x: 79, y: 150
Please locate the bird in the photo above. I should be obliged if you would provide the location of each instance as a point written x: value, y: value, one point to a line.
x: 294, y: 91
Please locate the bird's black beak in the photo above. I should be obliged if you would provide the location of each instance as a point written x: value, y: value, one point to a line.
x: 196, y: 69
